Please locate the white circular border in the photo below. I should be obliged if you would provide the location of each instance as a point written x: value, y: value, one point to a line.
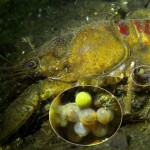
x: 89, y: 144
x: 133, y: 79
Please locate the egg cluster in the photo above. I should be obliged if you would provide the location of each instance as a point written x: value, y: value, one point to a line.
x: 84, y: 117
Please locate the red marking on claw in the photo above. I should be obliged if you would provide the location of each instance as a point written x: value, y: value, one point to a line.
x: 123, y: 28
x: 138, y: 25
x: 147, y: 27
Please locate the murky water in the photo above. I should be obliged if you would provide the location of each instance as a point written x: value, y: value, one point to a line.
x: 27, y: 25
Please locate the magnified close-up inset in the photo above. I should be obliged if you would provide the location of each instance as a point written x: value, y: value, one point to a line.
x: 141, y: 75
x: 85, y: 115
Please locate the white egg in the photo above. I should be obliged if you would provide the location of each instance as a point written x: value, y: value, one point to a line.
x: 80, y: 129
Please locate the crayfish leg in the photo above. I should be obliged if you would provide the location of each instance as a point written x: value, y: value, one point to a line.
x: 18, y: 112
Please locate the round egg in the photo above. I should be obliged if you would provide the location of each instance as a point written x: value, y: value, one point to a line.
x: 104, y: 116
x: 73, y: 136
x: 87, y: 116
x: 83, y: 99
x: 80, y: 129
x: 60, y: 116
x: 99, y: 130
x: 72, y: 112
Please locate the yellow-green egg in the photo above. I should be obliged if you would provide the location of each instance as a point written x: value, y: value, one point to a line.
x: 83, y: 99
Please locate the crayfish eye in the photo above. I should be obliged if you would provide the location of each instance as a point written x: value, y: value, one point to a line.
x: 31, y: 64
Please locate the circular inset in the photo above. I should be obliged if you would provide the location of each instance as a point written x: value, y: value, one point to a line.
x: 85, y: 126
x: 141, y: 75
